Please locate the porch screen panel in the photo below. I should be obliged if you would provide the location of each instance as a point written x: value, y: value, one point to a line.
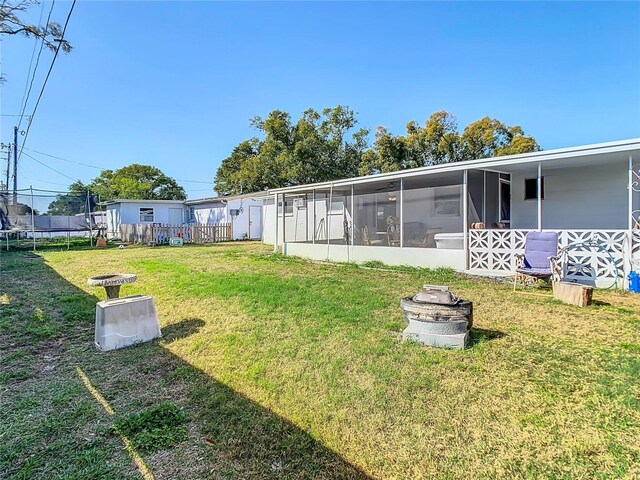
x: 376, y: 215
x: 296, y: 218
x: 476, y: 196
x: 432, y: 205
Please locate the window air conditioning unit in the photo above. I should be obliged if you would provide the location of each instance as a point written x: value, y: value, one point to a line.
x: 298, y: 202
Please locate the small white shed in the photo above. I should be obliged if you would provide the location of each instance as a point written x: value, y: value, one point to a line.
x: 126, y: 211
x: 243, y: 212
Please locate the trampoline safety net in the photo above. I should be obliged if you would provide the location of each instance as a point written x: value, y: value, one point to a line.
x: 38, y: 214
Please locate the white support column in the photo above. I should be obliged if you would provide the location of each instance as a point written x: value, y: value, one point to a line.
x: 275, y: 206
x: 328, y: 219
x: 401, y: 226
x: 630, y: 193
x: 539, y: 196
x: 626, y: 262
x: 313, y: 229
x: 484, y: 196
x: 284, y: 222
x: 353, y: 216
x: 465, y: 217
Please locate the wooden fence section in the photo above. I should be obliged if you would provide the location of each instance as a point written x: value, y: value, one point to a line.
x: 161, y: 233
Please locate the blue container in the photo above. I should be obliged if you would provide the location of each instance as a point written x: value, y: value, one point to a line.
x: 634, y: 282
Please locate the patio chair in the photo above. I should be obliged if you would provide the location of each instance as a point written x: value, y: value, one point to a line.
x: 366, y: 240
x: 393, y: 235
x: 540, y: 258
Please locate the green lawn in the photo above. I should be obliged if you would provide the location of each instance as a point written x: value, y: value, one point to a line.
x: 292, y: 369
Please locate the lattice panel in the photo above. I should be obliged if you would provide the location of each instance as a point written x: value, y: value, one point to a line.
x: 494, y: 250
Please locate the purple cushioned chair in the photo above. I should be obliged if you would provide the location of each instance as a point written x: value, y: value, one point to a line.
x: 540, y: 258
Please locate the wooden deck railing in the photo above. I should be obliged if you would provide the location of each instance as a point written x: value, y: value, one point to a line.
x: 161, y: 233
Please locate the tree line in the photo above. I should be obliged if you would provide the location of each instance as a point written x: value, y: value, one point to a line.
x: 327, y: 145
x: 134, y: 181
x: 318, y: 147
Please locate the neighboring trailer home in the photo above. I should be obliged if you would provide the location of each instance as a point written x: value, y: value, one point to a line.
x: 473, y: 216
x: 243, y: 212
x: 124, y: 211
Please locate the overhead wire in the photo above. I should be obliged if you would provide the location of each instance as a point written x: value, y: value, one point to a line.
x: 65, y: 159
x: 51, y: 168
x: 103, y: 168
x: 28, y: 85
x: 53, y: 61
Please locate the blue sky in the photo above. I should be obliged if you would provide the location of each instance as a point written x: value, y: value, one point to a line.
x: 174, y: 84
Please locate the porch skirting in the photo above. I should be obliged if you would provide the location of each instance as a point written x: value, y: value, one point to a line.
x: 416, y: 257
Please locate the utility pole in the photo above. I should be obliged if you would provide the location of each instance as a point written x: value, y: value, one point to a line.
x: 6, y: 185
x: 15, y: 165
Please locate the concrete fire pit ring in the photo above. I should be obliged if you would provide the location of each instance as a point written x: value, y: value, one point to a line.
x: 439, y: 319
x: 112, y: 282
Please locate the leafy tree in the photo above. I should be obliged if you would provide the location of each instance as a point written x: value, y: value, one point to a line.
x: 439, y: 141
x: 489, y: 137
x: 70, y: 203
x: 11, y: 23
x: 136, y: 182
x: 320, y: 146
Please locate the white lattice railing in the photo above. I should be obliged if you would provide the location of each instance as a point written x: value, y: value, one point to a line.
x: 591, y: 255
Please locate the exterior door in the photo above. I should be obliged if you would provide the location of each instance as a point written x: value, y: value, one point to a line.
x: 255, y: 222
x: 175, y: 216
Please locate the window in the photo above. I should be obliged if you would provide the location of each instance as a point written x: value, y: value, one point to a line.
x: 446, y: 201
x: 337, y: 206
x: 192, y: 214
x: 288, y: 207
x: 146, y: 215
x: 531, y: 188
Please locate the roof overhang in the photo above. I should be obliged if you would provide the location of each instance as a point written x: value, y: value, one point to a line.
x: 225, y: 199
x: 558, y: 158
x: 127, y: 200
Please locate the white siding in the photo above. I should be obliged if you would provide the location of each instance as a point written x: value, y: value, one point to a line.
x: 210, y: 213
x: 218, y: 212
x: 130, y: 212
x: 593, y: 197
x: 113, y: 220
x: 240, y: 224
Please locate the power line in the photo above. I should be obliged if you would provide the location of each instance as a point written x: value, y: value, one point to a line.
x: 65, y: 159
x: 193, y: 181
x: 27, y: 92
x: 53, y: 61
x: 103, y: 168
x: 50, y: 168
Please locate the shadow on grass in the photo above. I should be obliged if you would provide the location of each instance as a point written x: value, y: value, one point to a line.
x: 243, y: 439
x: 182, y: 329
x: 481, y: 335
x: 600, y: 303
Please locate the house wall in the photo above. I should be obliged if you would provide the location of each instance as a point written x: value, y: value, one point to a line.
x: 130, y: 212
x: 594, y: 197
x: 120, y: 213
x: 218, y: 212
x: 113, y: 220
x: 210, y: 213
